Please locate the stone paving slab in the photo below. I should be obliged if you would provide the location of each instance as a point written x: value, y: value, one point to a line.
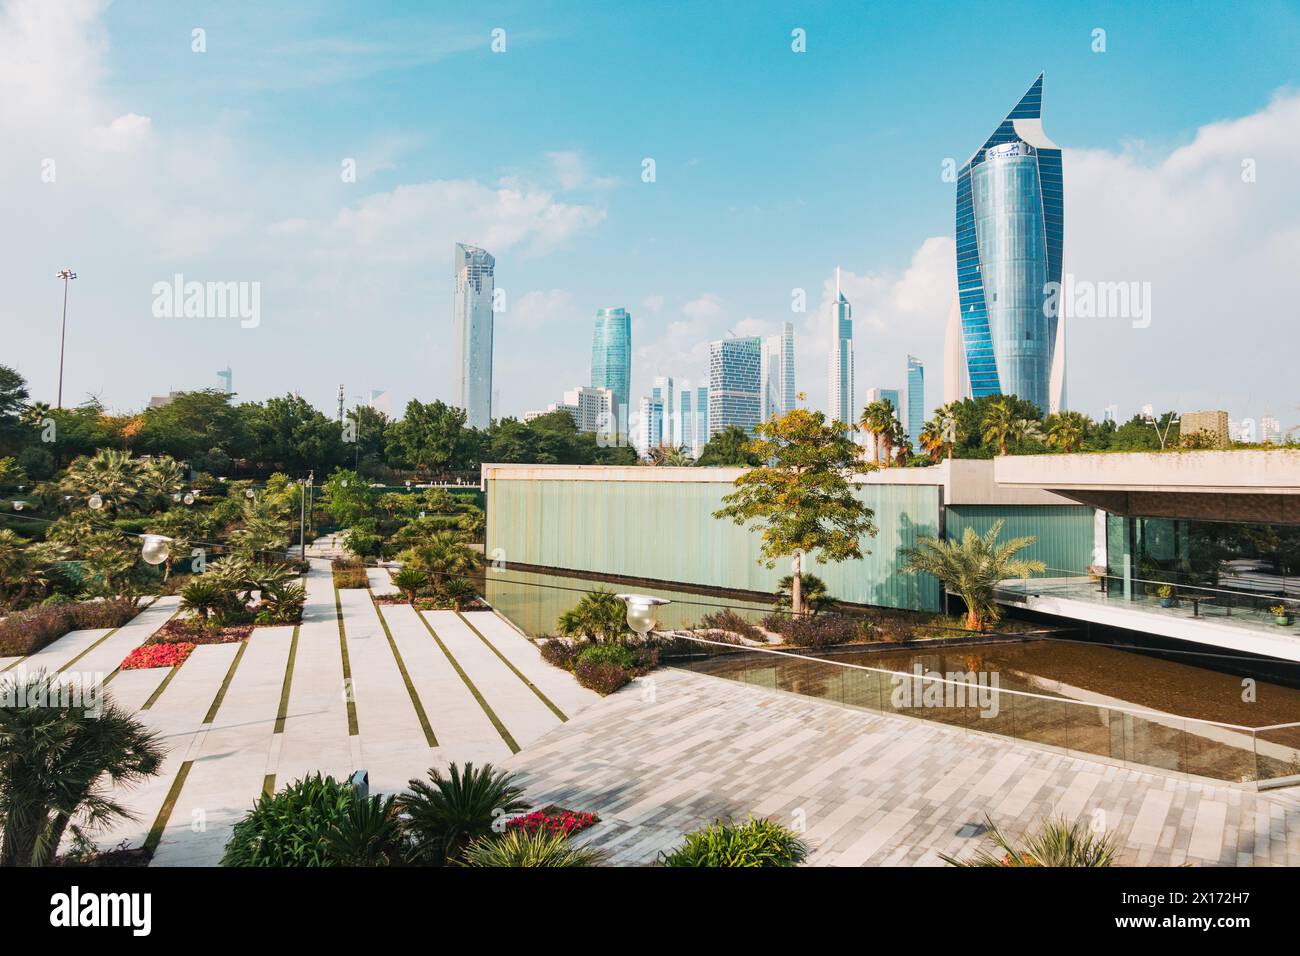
x: 381, y: 582
x: 392, y: 739
x: 522, y: 712
x: 565, y: 692
x: 868, y: 789
x: 231, y: 755
x: 177, y: 717
x: 459, y: 722
x: 105, y: 657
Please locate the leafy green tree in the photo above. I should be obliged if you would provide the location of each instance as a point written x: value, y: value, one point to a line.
x: 729, y: 448
x: 290, y: 435
x: 193, y: 425
x: 973, y: 567
x: 431, y: 438
x: 802, y: 499
x: 348, y: 497
x: 61, y: 764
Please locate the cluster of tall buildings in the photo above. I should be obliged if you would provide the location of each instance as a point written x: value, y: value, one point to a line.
x: 1005, y: 334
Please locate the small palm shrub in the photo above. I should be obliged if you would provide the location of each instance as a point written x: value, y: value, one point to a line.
x: 519, y: 847
x: 446, y: 813
x: 812, y: 592
x: 1056, y: 843
x: 203, y: 596
x: 458, y: 591
x: 282, y: 604
x: 725, y: 843
x: 600, y: 615
x: 410, y: 581
x: 63, y: 760
x: 316, y: 821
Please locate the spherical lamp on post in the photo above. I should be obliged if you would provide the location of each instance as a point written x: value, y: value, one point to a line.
x: 155, y: 548
x: 642, y: 611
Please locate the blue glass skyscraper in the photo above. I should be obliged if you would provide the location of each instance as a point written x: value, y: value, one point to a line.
x: 915, y: 397
x: 735, y: 383
x: 1010, y: 227
x: 611, y: 359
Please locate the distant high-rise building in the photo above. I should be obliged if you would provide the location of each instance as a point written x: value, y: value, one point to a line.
x: 840, y: 381
x: 777, y: 372
x: 471, y: 324
x: 590, y: 409
x: 611, y: 359
x: 227, y: 377
x: 701, y: 418
x: 1010, y: 216
x: 1270, y: 430
x: 662, y: 391
x: 1213, y: 425
x: 915, y: 397
x: 735, y: 383
x: 650, y: 426
x: 955, y: 383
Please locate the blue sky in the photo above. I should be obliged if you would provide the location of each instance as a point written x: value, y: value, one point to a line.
x: 772, y: 168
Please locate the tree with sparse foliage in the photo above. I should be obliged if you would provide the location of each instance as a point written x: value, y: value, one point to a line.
x: 802, y: 497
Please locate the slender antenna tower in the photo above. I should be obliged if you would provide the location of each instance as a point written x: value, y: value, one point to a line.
x: 340, y: 404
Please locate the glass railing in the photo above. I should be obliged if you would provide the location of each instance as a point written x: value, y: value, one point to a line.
x: 1130, y: 736
x: 1234, y: 606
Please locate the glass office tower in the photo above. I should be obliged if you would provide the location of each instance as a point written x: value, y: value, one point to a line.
x: 735, y: 383
x: 915, y: 397
x: 1010, y: 227
x: 471, y: 326
x: 778, y: 372
x: 839, y: 388
x: 611, y: 359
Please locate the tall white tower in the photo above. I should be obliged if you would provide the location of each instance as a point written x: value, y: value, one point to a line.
x: 471, y: 326
x: 840, y: 367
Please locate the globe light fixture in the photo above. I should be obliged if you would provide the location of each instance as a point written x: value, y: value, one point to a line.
x: 189, y: 499
x: 95, y: 502
x: 176, y: 496
x: 155, y: 548
x: 642, y: 611
x: 19, y: 505
x: 250, y: 493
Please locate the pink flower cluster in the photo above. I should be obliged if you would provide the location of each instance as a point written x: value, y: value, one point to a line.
x: 553, y: 819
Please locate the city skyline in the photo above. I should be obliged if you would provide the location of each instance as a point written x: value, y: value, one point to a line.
x: 345, y: 214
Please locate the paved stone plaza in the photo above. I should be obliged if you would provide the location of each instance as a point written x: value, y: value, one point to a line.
x: 867, y: 789
x: 660, y: 757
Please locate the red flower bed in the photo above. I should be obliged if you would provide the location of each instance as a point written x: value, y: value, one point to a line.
x: 157, y: 655
x: 553, y: 819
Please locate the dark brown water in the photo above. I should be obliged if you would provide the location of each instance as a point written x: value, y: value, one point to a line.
x: 1090, y: 698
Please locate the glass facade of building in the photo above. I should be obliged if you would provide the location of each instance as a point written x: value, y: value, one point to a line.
x: 611, y: 359
x: 778, y: 372
x: 840, y: 372
x: 735, y: 383
x: 471, y: 327
x: 915, y: 397
x: 1010, y: 228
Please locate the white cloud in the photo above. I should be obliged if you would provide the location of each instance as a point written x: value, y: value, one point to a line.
x: 705, y: 307
x: 538, y: 307
x: 653, y: 303
x: 570, y: 170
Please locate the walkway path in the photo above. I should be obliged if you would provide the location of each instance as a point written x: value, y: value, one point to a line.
x: 867, y: 789
x: 377, y: 687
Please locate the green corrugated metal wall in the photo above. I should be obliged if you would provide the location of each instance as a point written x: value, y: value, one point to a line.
x: 666, y: 530
x: 1064, y: 532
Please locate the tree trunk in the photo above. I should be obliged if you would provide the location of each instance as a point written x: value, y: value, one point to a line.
x: 973, y: 622
x: 796, y: 586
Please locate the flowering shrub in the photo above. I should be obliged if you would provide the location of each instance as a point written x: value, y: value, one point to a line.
x: 157, y: 655
x: 553, y: 819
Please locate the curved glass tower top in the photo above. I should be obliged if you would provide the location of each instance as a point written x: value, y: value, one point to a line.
x: 1009, y: 240
x: 611, y: 356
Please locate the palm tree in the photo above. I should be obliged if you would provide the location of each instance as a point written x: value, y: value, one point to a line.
x: 877, y: 420
x: 1056, y: 844
x: 999, y: 424
x: 600, y: 615
x: 202, y: 597
x: 161, y: 478
x: 900, y: 447
x: 61, y: 764
x: 111, y: 474
x: 812, y: 592
x: 973, y: 568
x: 671, y: 456
x: 409, y: 580
x: 445, y: 814
x: 1067, y: 430
x: 443, y: 555
x: 13, y: 564
x: 932, y: 438
x: 1024, y: 431
x: 35, y: 414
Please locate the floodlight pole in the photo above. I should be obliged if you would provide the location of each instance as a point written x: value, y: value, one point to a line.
x: 66, y: 275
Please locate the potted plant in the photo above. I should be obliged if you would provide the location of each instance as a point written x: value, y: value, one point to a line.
x: 1281, y: 614
x: 1166, y: 594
